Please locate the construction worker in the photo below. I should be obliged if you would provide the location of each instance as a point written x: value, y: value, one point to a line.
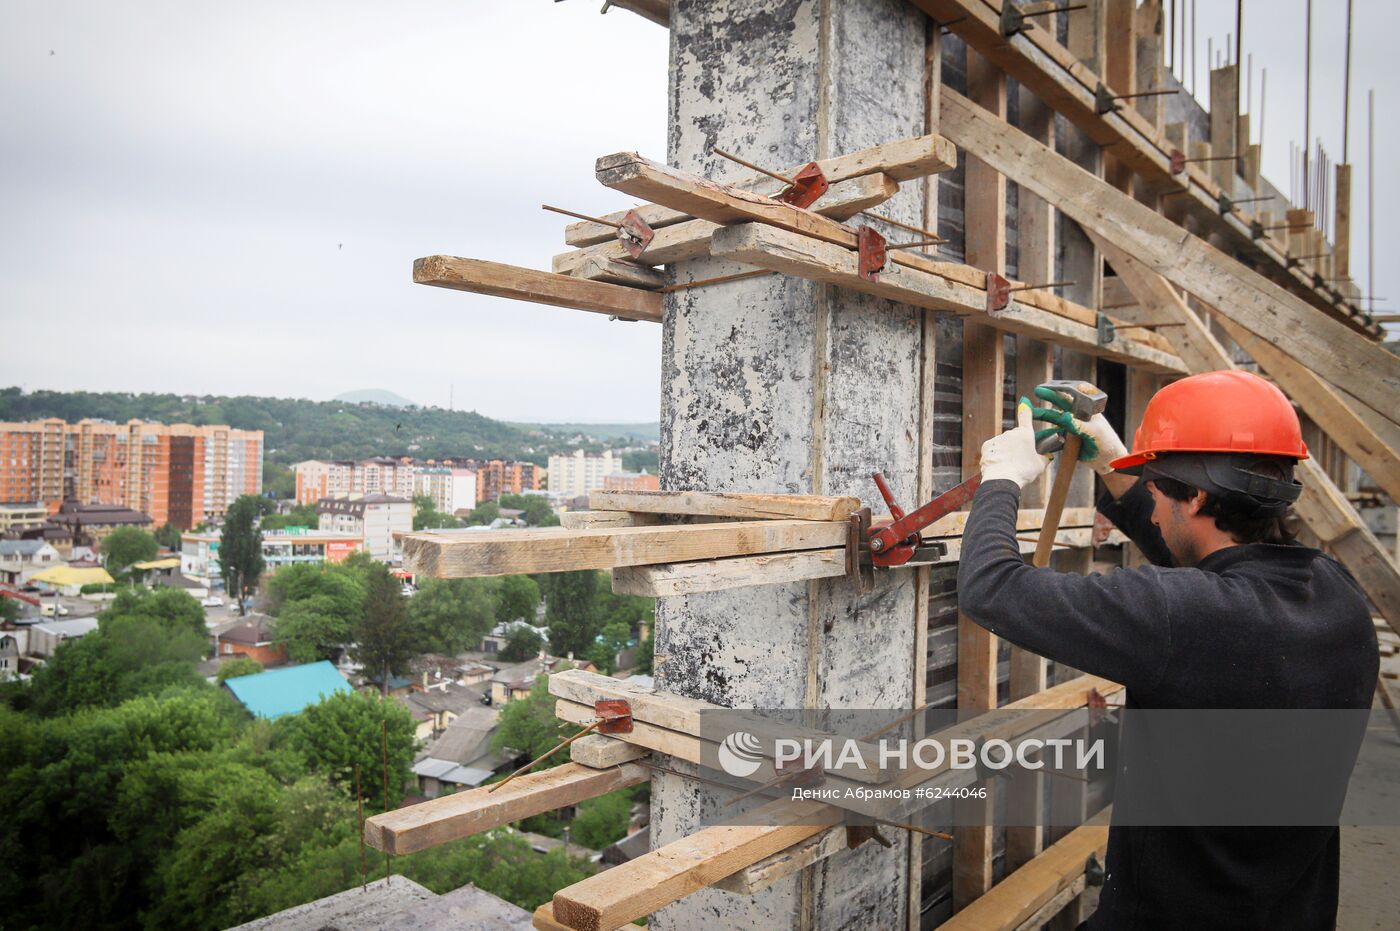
x: 1233, y: 614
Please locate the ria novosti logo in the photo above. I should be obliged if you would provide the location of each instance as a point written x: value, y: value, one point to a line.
x: 740, y: 754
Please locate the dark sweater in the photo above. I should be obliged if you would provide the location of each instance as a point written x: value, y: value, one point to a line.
x: 1252, y: 627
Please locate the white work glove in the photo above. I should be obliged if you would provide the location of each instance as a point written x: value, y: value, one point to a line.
x: 1101, y: 442
x: 1012, y: 455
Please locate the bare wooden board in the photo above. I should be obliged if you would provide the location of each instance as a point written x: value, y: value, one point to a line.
x: 753, y: 879
x: 727, y: 504
x: 1331, y: 349
x: 809, y: 257
x: 452, y: 817
x: 544, y: 915
x: 463, y: 554
x: 598, y: 751
x: 655, y: 879
x: 616, y: 271
x: 899, y: 160
x: 691, y: 239
x: 687, y: 578
x: 594, y: 520
x: 527, y: 284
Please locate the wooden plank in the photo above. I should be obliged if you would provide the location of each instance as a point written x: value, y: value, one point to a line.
x: 727, y: 504
x: 616, y: 271
x: 452, y: 817
x: 592, y: 520
x: 544, y: 915
x: 660, y: 877
x: 753, y: 879
x: 691, y: 239
x: 1020, y: 895
x: 598, y: 751
x: 685, y: 715
x: 1342, y: 228
x: 1224, y: 127
x: 808, y: 257
x: 527, y: 284
x: 1329, y: 348
x: 465, y: 554
x: 899, y: 160
x: 687, y: 578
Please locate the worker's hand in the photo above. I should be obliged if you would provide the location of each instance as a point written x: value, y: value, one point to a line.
x: 1012, y: 455
x: 1101, y: 443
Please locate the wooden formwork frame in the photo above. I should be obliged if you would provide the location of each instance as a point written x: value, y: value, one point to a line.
x: 1113, y: 43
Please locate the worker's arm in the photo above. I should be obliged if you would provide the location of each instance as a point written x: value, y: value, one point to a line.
x: 1118, y: 484
x: 1131, y: 512
x: 1114, y: 625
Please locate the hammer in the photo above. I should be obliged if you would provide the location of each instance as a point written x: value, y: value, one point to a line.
x: 1086, y: 401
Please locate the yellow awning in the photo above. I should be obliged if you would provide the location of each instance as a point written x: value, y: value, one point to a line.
x: 67, y: 575
x: 170, y: 562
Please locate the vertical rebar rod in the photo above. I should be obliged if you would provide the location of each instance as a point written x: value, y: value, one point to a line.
x: 1307, y: 100
x: 1371, y: 193
x: 1193, y: 48
x: 1346, y: 92
x: 1171, y: 43
x: 1263, y: 88
x: 1239, y: 46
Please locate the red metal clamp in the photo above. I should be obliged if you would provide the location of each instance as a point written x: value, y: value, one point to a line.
x: 895, y: 543
x: 1178, y: 161
x: 998, y: 293
x: 614, y: 716
x: 870, y: 247
x: 635, y: 234
x: 807, y: 186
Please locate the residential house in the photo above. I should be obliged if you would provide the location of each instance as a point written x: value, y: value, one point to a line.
x: 461, y: 757
x: 252, y: 637
x: 516, y: 681
x: 22, y: 515
x: 21, y: 559
x: 375, y: 518
x: 92, y: 523
x: 44, y: 639
x: 288, y: 690
x: 496, y: 641
x: 9, y: 657
x: 434, y: 708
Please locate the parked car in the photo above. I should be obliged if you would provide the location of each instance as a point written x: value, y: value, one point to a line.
x: 52, y: 609
x: 213, y: 601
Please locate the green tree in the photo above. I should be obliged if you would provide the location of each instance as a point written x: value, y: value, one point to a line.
x: 426, y: 516
x: 312, y: 628
x: 343, y: 585
x: 452, y: 615
x: 279, y: 481
x: 346, y: 729
x: 175, y: 609
x: 240, y: 549
x: 9, y: 609
x: 615, y: 638
x: 538, y: 513
x: 483, y: 513
x: 518, y: 599
x: 127, y: 545
x: 528, y: 725
x: 168, y: 536
x: 522, y: 643
x: 238, y: 666
x: 303, y: 515
x: 385, y: 638
x: 603, y: 820
x: 571, y: 611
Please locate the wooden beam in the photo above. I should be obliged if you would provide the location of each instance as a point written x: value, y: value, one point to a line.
x: 727, y: 504
x: 1024, y: 892
x: 598, y: 751
x: 899, y: 160
x: 691, y: 239
x: 808, y: 257
x: 1329, y: 348
x: 1224, y: 125
x: 527, y: 284
x: 544, y: 919
x: 453, y: 817
x: 688, y: 578
x: 465, y: 554
x: 753, y: 879
x: 616, y: 271
x: 593, y: 520
x: 660, y: 877
x: 1342, y: 235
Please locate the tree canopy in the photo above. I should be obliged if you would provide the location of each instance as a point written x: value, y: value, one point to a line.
x: 127, y: 545
x: 385, y: 640
x: 452, y: 615
x: 240, y: 548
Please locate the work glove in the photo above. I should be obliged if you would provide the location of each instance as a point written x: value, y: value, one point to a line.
x: 1012, y: 455
x: 1101, y: 444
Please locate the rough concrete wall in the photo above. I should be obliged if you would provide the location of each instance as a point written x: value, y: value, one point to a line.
x: 777, y: 384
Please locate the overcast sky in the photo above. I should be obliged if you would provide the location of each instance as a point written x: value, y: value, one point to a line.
x: 227, y: 198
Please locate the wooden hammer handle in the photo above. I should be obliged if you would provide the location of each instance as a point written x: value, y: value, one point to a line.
x: 1064, y: 474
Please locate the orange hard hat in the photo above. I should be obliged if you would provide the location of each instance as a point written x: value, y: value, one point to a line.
x: 1217, y: 412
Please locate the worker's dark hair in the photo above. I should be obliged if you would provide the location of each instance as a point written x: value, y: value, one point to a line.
x: 1232, y: 515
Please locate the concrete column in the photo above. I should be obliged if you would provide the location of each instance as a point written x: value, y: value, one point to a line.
x: 779, y: 384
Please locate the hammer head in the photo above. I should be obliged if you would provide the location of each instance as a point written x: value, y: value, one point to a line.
x: 1086, y: 399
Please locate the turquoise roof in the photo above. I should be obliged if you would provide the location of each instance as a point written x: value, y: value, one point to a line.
x: 277, y: 692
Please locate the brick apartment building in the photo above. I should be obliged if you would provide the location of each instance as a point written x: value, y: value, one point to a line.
x: 177, y: 473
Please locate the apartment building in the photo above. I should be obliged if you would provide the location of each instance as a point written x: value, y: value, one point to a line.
x: 340, y: 478
x: 576, y: 475
x: 631, y: 481
x: 375, y: 518
x: 496, y: 477
x: 452, y: 488
x: 177, y: 473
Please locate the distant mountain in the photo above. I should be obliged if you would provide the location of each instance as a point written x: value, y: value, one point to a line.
x: 295, y: 430
x: 375, y: 396
x: 645, y: 432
